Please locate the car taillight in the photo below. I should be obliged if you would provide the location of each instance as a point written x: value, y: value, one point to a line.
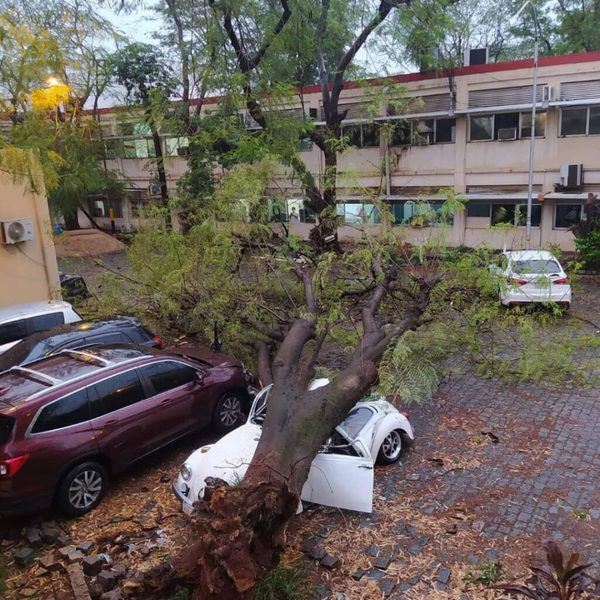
x: 517, y: 281
x: 561, y: 281
x: 157, y: 341
x: 11, y: 466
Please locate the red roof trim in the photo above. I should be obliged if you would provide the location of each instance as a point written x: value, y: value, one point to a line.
x: 511, y: 65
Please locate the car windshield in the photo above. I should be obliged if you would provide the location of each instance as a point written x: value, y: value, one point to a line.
x: 24, y: 352
x: 357, y: 418
x: 537, y: 266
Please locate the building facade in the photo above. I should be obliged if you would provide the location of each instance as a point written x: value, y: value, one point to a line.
x: 467, y: 131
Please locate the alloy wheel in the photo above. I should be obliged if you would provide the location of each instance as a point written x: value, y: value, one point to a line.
x: 85, y: 489
x: 230, y: 412
x: 392, y: 445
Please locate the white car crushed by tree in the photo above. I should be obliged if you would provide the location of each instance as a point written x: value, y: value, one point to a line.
x: 532, y: 276
x: 342, y: 473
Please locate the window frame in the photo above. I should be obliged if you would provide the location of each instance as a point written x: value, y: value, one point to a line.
x: 587, y: 121
x: 412, y: 135
x: 147, y: 380
x: 519, y: 127
x: 143, y: 384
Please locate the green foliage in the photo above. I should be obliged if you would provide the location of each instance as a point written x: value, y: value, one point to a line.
x: 284, y: 582
x: 560, y: 579
x: 408, y: 371
x: 589, y: 248
x: 486, y: 573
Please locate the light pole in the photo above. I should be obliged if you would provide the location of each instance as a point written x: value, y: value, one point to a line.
x: 533, y: 113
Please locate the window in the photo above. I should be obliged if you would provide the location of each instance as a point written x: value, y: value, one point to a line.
x: 115, y: 393
x: 100, y: 207
x: 537, y: 266
x: 573, y: 121
x: 357, y: 213
x: 107, y: 338
x: 169, y: 375
x: 43, y: 322
x: 594, y: 127
x: 482, y: 128
x: 140, y: 148
x: 508, y: 123
x: 423, y: 132
x: 6, y: 427
x: 515, y: 214
x: 478, y: 209
x: 176, y: 146
x: 540, y: 125
x: 355, y: 421
x: 420, y: 213
x: 12, y: 331
x: 63, y: 366
x: 362, y: 136
x: 567, y: 215
x: 67, y: 411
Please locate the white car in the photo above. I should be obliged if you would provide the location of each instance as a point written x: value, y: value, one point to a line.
x: 532, y: 276
x: 21, y: 320
x: 341, y: 475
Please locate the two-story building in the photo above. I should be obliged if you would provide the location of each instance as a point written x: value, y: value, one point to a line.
x: 468, y: 131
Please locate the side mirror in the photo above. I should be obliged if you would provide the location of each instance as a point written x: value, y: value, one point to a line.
x: 199, y: 377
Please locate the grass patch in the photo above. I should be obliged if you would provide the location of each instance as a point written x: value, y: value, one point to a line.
x: 284, y: 582
x: 486, y: 573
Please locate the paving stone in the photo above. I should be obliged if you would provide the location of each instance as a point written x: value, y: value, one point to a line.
x: 92, y: 565
x: 85, y: 547
x: 49, y: 561
x: 112, y: 595
x: 383, y: 561
x: 107, y: 580
x: 358, y: 574
x: 329, y: 561
x: 78, y: 584
x: 33, y: 535
x: 386, y: 586
x: 372, y: 550
x: 376, y: 574
x: 443, y: 575
x: 24, y: 556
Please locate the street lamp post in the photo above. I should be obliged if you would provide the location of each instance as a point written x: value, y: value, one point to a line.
x: 533, y: 114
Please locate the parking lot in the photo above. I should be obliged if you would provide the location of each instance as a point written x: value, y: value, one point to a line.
x: 496, y: 469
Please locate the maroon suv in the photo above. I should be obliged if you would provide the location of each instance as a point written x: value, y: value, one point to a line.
x: 69, y: 421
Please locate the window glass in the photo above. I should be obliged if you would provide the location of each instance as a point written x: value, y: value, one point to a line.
x: 573, y: 121
x: 43, y: 322
x: 70, y: 410
x: 423, y: 132
x: 6, y: 427
x: 567, y: 215
x: 115, y: 393
x: 401, y: 135
x: 444, y: 130
x: 12, y: 331
x: 370, y: 136
x: 353, y: 214
x: 168, y: 375
x: 352, y: 133
x: 174, y: 144
x: 537, y: 266
x: 521, y: 215
x: 506, y: 121
x: 478, y: 209
x: 371, y: 214
x: 106, y: 338
x: 503, y: 214
x: 540, y: 125
x: 355, y: 421
x: 595, y: 119
x: 482, y: 128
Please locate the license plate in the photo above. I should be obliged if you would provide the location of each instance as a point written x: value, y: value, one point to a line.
x: 188, y: 509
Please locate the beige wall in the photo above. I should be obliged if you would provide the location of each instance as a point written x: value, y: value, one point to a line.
x: 28, y: 270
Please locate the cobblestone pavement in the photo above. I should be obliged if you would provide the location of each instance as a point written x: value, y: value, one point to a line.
x: 496, y: 470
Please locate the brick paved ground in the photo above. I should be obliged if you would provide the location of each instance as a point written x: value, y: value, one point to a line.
x: 496, y: 470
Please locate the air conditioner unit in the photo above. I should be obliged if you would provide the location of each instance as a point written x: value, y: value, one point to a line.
x: 154, y: 189
x: 183, y: 150
x: 507, y: 133
x: 17, y: 231
x: 571, y: 176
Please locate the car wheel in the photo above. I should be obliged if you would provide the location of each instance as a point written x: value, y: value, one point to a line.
x: 391, y: 448
x: 229, y: 412
x: 82, y: 489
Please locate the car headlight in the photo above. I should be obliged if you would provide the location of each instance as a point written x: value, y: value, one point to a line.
x: 186, y: 472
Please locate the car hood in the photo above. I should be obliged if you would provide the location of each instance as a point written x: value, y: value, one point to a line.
x: 204, y: 354
x: 227, y: 459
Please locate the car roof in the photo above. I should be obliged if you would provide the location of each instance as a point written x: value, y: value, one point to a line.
x: 63, y: 368
x: 529, y: 255
x: 29, y: 309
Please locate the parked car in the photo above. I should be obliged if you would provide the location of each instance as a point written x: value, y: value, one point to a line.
x: 532, y: 276
x: 341, y: 475
x: 21, y: 320
x: 120, y: 330
x: 70, y: 421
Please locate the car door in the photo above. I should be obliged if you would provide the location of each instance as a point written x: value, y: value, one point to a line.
x: 126, y: 422
x: 341, y: 480
x: 174, y: 387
